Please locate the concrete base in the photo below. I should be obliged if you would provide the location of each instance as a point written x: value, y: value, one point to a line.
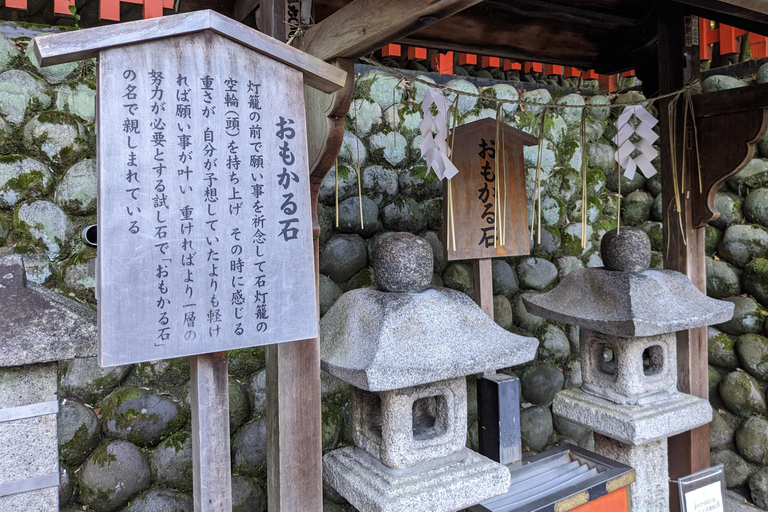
x: 650, y: 491
x: 633, y: 424
x: 29, y: 448
x: 443, y: 485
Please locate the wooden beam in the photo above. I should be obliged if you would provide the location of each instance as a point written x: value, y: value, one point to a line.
x: 684, y: 244
x: 750, y: 15
x: 366, y: 25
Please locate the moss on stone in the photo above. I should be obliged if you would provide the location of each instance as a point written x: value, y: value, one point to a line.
x: 11, y: 159
x: 102, y: 457
x: 757, y: 270
x: 177, y: 441
x: 58, y: 117
x: 77, y: 448
x: 244, y: 363
x: 725, y: 341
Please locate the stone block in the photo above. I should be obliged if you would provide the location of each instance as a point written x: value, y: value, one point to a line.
x: 650, y: 491
x: 408, y: 426
x: 451, y: 483
x: 640, y: 370
x: 633, y: 425
x: 28, y: 445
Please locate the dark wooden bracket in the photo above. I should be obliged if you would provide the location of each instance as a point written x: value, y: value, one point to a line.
x: 729, y: 124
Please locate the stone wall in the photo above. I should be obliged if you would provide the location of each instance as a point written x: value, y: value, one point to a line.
x: 124, y: 432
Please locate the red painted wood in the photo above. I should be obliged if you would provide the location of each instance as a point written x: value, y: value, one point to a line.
x: 629, y: 73
x: 758, y: 45
x: 590, y: 75
x: 552, y: 69
x: 391, y: 50
x: 443, y: 63
x: 571, y: 72
x: 467, y: 59
x: 16, y: 4
x: 617, y: 501
x: 490, y: 62
x: 536, y: 67
x: 109, y: 10
x: 509, y: 65
x: 62, y: 6
x: 707, y: 37
x: 415, y: 53
x: 153, y: 9
x: 608, y: 83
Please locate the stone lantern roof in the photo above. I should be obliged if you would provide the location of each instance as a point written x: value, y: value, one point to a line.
x: 625, y: 298
x: 412, y: 333
x: 379, y: 341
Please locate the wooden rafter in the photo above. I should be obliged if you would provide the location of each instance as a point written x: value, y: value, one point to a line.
x: 366, y: 25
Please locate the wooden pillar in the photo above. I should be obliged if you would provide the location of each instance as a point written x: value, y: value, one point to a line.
x: 683, y: 243
x: 294, y: 427
x: 482, y: 271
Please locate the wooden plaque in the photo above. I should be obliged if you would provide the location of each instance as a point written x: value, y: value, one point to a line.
x: 205, y: 230
x: 480, y: 216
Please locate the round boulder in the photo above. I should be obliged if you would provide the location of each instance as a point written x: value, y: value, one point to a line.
x: 343, y: 257
x: 523, y: 318
x: 85, y: 380
x: 504, y: 279
x: 136, y: 415
x: 78, y: 99
x: 735, y: 468
x: 758, y: 486
x: 541, y: 382
x: 171, y: 462
x: 753, y: 353
x: 57, y: 137
x: 752, y: 440
x: 747, y: 317
x: 722, y: 279
x: 329, y: 293
x: 78, y: 432
x: 756, y: 207
x: 742, y: 243
x: 249, y: 449
x: 403, y: 214
x: 247, y: 495
x: 113, y: 474
x: 76, y: 192
x: 458, y: 276
x: 402, y: 263
x: 755, y: 279
x: 502, y: 311
x: 48, y: 224
x: 554, y: 345
x: 22, y: 178
x: 742, y: 394
x: 379, y: 183
x: 161, y: 500
x: 535, y: 427
x: 721, y: 349
x: 536, y: 273
x: 729, y: 206
x: 19, y: 89
x: 349, y: 217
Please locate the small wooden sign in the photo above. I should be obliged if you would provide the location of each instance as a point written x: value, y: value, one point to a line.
x: 487, y: 224
x: 204, y: 209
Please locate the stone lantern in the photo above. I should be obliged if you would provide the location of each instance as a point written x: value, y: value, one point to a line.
x: 628, y: 315
x: 406, y: 348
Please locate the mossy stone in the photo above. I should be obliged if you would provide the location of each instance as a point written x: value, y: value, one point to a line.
x: 502, y: 311
x: 736, y: 469
x: 721, y: 83
x: 419, y: 183
x: 712, y: 238
x: 20, y: 94
x: 458, y: 276
x: 332, y: 424
x: 752, y: 440
x: 535, y: 427
x: 653, y: 185
x: 636, y: 208
x: 248, y: 495
x: 249, y: 449
x: 756, y: 207
x: 78, y: 99
x: 163, y: 375
x: 83, y: 379
x: 742, y: 243
x: 143, y: 418
x: 379, y: 183
x: 347, y: 185
x: 113, y: 474
x: 754, y: 175
x: 329, y: 293
x: 721, y: 349
x: 505, y: 281
x: 57, y: 138
x: 78, y: 432
x: 239, y: 405
x: 627, y: 185
x: 76, y: 192
x: 47, y: 225
x: 363, y: 279
x: 743, y: 394
x: 564, y: 183
x: 433, y: 213
x: 53, y: 74
x: 723, y: 279
x: 245, y: 362
x: 729, y: 206
x: 572, y: 240
x: 403, y: 214
x: 747, y: 318
x: 755, y: 279
x: 523, y: 319
x: 22, y: 178
x: 171, y: 462
x: 157, y: 500
x: 753, y: 353
x: 362, y: 116
x: 349, y: 217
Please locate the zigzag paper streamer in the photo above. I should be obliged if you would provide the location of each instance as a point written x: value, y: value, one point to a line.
x: 434, y: 148
x: 645, y: 147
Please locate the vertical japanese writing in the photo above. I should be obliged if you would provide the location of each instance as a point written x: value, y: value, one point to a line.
x: 486, y: 192
x: 258, y: 218
x: 131, y: 131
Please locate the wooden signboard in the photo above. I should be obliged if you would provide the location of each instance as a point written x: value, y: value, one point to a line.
x: 205, y: 230
x: 487, y: 224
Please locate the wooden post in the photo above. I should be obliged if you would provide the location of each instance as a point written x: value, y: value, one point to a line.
x: 211, y: 473
x: 684, y: 248
x: 483, y: 277
x: 294, y: 425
